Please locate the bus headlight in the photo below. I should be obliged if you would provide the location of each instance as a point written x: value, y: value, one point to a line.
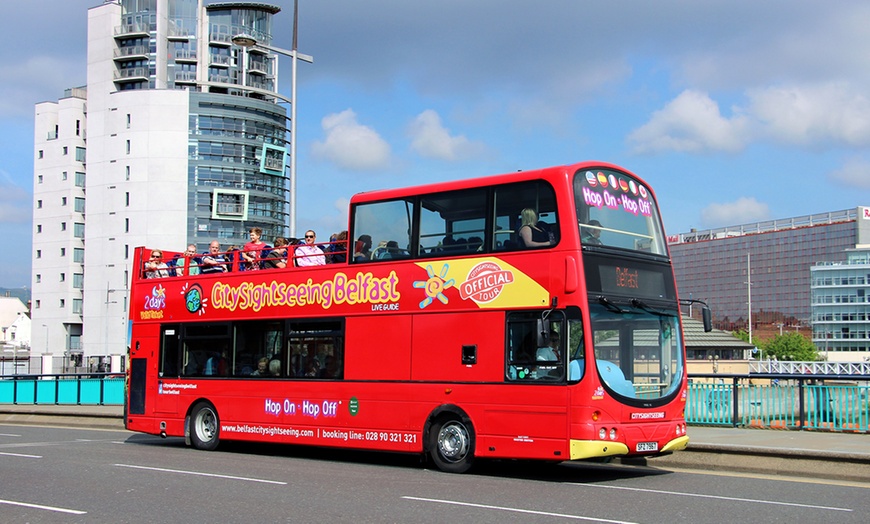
x: 612, y: 433
x: 602, y: 433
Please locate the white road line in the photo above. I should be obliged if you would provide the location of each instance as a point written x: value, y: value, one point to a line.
x: 39, y: 506
x: 518, y: 510
x: 9, y: 435
x: 197, y: 473
x: 20, y: 455
x: 719, y: 497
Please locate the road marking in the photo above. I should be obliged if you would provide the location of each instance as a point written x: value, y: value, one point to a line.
x: 518, y: 510
x: 9, y: 435
x: 197, y: 473
x: 20, y: 455
x: 719, y: 497
x: 39, y: 506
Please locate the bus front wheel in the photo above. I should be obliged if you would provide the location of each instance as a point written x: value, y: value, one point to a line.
x: 451, y: 445
x: 204, y: 427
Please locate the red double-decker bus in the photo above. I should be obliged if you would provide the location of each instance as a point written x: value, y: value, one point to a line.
x: 531, y: 315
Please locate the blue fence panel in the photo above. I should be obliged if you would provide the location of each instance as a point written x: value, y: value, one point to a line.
x: 710, y: 403
x: 46, y: 392
x: 25, y: 391
x: 113, y: 391
x: 7, y: 391
x: 91, y: 391
x: 67, y: 391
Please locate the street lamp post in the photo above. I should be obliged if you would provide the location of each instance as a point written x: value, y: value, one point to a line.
x: 248, y: 41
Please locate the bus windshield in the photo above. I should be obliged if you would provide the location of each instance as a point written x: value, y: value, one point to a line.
x: 637, y: 349
x: 615, y: 209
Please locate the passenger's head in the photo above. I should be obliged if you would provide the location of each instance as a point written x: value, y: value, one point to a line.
x: 366, y: 241
x: 275, y: 368
x: 214, y: 247
x: 191, y: 250
x: 310, y: 236
x: 529, y: 217
x: 280, y: 242
x: 256, y: 233
x: 263, y: 365
x: 156, y: 255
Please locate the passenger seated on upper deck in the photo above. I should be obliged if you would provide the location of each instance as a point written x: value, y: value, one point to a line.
x: 155, y: 267
x: 277, y: 258
x: 253, y: 250
x: 591, y: 235
x: 530, y: 233
x: 338, y: 249
x: 189, y: 259
x: 308, y: 254
x: 212, y: 260
x: 362, y: 248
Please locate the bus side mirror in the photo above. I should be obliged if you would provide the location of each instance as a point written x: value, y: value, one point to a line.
x: 708, y: 319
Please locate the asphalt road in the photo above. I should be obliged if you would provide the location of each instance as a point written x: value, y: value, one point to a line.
x: 54, y: 474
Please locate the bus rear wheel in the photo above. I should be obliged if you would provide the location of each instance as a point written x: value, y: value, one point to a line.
x: 204, y: 427
x: 451, y: 445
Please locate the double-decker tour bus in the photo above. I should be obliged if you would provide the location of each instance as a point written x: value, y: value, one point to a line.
x: 531, y: 315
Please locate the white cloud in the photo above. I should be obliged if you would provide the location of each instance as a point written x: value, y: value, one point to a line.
x: 690, y: 123
x: 430, y: 139
x: 741, y: 211
x: 832, y: 112
x: 351, y: 145
x: 854, y: 173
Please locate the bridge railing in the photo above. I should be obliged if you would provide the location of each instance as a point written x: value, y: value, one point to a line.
x: 780, y: 401
x: 73, y: 389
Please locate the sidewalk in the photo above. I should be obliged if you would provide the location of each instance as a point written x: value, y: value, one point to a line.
x: 816, y: 454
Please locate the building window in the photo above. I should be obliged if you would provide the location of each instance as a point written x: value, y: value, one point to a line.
x: 62, y: 303
x: 79, y: 230
x: 78, y: 255
x: 128, y: 147
x: 78, y: 280
x: 63, y: 251
x: 39, y: 228
x: 65, y: 150
x: 39, y: 204
x: 80, y: 179
x: 63, y: 277
x: 127, y: 199
x: 80, y: 205
x: 63, y: 176
x: 38, y: 179
x: 40, y: 155
x: 76, y: 309
x: 63, y: 226
x: 129, y: 119
x: 38, y: 253
x: 126, y: 225
x: 128, y: 172
x: 126, y: 253
x: 80, y: 154
x: 38, y: 278
x: 63, y: 201
x: 38, y: 304
x: 78, y: 128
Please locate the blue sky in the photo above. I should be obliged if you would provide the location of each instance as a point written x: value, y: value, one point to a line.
x: 733, y: 111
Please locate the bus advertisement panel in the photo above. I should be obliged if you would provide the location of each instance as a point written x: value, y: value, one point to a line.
x: 465, y: 320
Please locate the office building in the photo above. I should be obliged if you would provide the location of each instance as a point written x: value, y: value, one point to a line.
x: 841, y: 310
x: 765, y: 266
x: 177, y: 138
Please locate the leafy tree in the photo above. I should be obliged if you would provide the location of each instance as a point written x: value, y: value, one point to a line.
x: 791, y: 346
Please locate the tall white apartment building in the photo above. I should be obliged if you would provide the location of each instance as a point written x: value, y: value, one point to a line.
x: 177, y: 138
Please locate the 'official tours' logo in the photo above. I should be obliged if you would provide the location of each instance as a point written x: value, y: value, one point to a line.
x: 485, y: 282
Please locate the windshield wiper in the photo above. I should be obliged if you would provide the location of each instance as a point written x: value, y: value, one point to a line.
x: 604, y: 301
x: 640, y: 304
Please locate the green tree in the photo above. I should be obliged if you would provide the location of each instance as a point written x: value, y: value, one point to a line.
x: 791, y: 346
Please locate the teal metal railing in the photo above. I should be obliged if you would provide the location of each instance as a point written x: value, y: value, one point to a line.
x: 100, y: 389
x: 780, y: 402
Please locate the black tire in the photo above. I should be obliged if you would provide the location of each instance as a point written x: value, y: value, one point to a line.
x: 204, y: 427
x: 451, y: 445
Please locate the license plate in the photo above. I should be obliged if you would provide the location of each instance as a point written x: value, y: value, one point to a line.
x: 647, y: 446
